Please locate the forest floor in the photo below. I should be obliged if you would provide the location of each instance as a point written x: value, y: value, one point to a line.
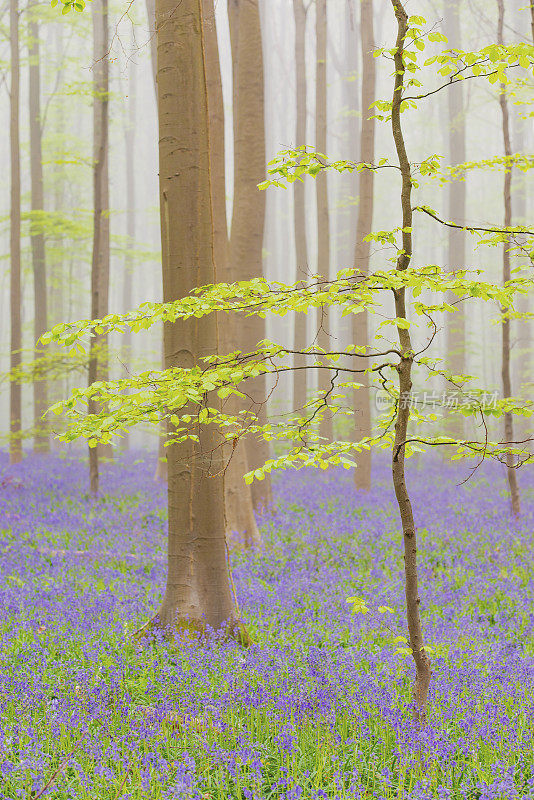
x: 320, y: 705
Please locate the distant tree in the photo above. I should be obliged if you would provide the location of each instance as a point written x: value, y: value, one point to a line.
x: 506, y: 276
x: 300, y: 383
x: 456, y: 340
x: 37, y: 236
x: 98, y: 369
x: 238, y: 496
x: 362, y: 253
x: 131, y: 220
x: 323, y: 212
x: 248, y: 214
x: 15, y: 400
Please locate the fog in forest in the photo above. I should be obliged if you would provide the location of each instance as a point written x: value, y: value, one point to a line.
x: 462, y: 124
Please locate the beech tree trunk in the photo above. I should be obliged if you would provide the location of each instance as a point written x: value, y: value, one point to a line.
x: 40, y: 318
x: 15, y: 399
x: 198, y: 589
x: 100, y: 262
x: 506, y: 275
x: 248, y: 215
x: 347, y: 205
x: 323, y: 216
x: 128, y: 275
x: 362, y: 252
x: 160, y: 473
x: 240, y: 519
x: 300, y: 382
x: 404, y: 368
x: 456, y: 345
x: 352, y: 101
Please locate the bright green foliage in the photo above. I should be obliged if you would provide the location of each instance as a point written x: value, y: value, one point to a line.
x: 66, y: 5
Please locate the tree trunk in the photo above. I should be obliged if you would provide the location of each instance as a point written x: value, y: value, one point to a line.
x: 347, y: 205
x: 98, y: 369
x: 404, y: 369
x: 456, y: 345
x: 40, y: 320
x: 15, y: 399
x: 248, y: 215
x: 198, y: 589
x: 362, y: 252
x: 300, y: 383
x: 161, y: 465
x: 506, y: 275
x: 128, y: 274
x: 151, y: 16
x: 161, y: 473
x: 323, y: 217
x: 523, y: 328
x: 240, y: 518
x: 352, y: 99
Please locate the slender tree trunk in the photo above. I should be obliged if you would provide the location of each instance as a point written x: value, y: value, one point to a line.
x: 40, y: 320
x: 456, y: 346
x: 323, y: 216
x: 347, y: 212
x: 100, y: 261
x: 198, y: 589
x: 352, y: 99
x: 240, y: 518
x: 56, y: 266
x: 404, y: 369
x: 15, y: 400
x: 248, y: 216
x: 506, y: 275
x: 300, y: 383
x: 360, y: 326
x: 128, y: 274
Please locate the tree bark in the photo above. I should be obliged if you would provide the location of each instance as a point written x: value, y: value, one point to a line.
x: 506, y: 275
x: 15, y: 398
x: 128, y: 274
x: 323, y: 216
x: 198, y: 589
x: 404, y: 368
x: 347, y: 205
x: 456, y: 345
x: 40, y: 317
x: 151, y: 16
x: 300, y: 383
x: 362, y: 252
x: 248, y: 215
x: 98, y: 369
x: 240, y: 519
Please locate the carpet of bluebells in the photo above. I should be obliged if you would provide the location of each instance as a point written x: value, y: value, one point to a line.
x: 320, y: 705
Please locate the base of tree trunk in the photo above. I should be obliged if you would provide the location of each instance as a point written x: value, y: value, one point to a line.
x: 423, y: 676
x: 188, y: 627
